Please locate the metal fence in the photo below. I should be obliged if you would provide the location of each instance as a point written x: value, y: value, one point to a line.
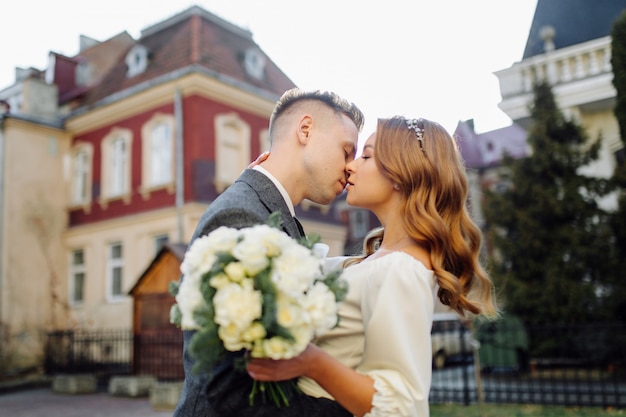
x: 571, y: 365
x: 107, y: 353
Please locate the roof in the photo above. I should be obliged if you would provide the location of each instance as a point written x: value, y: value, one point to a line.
x: 177, y: 249
x: 486, y: 150
x: 197, y: 40
x: 574, y: 21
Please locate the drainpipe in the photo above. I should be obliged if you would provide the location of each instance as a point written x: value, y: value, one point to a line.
x: 179, y: 163
x: 2, y: 277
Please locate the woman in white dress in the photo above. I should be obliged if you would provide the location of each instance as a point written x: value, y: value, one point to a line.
x: 377, y: 361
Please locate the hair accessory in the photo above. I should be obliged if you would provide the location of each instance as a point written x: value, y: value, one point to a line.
x: 417, y: 125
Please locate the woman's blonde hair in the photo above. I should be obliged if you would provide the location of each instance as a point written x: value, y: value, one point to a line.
x: 425, y: 163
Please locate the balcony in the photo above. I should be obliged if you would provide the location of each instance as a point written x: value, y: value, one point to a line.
x: 581, y: 77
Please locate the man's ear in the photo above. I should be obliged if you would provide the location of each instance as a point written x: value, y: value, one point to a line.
x: 304, y: 129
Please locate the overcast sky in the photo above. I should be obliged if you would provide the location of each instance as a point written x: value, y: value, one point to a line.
x: 418, y: 58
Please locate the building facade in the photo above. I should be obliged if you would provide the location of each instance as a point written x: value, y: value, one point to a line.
x: 568, y: 45
x: 109, y: 154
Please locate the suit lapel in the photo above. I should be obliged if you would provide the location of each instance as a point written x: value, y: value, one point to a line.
x: 272, y: 199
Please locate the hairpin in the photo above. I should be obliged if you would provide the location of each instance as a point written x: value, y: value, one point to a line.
x: 417, y: 125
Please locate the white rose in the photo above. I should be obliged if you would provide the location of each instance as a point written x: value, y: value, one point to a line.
x: 256, y: 331
x: 258, y: 349
x: 219, y: 281
x: 322, y: 308
x: 235, y: 271
x: 231, y: 336
x: 295, y: 270
x: 237, y: 304
x: 273, y: 239
x: 290, y: 314
x: 223, y: 239
x: 278, y: 348
x: 303, y: 336
x: 252, y: 254
x: 189, y: 299
x: 198, y: 260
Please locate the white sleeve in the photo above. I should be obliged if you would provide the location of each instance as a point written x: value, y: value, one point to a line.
x: 397, y: 316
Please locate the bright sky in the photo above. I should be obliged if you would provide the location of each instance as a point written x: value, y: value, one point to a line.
x: 418, y: 58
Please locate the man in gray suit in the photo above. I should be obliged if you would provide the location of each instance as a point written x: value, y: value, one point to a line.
x: 313, y: 136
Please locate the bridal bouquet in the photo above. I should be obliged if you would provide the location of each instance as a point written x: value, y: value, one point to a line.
x: 254, y: 289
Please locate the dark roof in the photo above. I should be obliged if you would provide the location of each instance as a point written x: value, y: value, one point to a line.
x: 574, y: 21
x: 486, y: 150
x: 198, y: 40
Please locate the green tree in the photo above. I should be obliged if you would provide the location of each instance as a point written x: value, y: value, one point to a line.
x: 618, y: 181
x: 548, y: 234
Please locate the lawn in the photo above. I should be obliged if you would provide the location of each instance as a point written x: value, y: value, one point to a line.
x: 520, y: 410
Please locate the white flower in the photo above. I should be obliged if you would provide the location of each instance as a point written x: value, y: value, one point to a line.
x: 252, y: 254
x: 235, y: 271
x: 237, y: 304
x: 255, y: 332
x: 231, y: 336
x: 295, y: 270
x: 322, y: 308
x: 279, y: 348
x: 219, y: 281
x: 189, y: 299
x: 273, y: 239
x: 200, y: 257
x: 289, y: 313
x: 303, y: 336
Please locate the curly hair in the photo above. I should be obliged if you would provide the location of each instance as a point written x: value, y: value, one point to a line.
x: 431, y: 176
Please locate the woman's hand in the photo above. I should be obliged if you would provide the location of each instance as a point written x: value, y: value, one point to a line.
x: 259, y: 159
x: 284, y: 369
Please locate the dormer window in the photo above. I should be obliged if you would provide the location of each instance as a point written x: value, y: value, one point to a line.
x: 254, y: 63
x: 136, y: 60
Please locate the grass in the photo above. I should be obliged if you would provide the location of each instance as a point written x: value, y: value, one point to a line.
x: 520, y: 410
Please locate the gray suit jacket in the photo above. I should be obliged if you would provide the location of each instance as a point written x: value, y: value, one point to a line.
x: 249, y: 201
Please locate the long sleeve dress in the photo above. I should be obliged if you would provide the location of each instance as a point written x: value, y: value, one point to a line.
x: 384, y: 332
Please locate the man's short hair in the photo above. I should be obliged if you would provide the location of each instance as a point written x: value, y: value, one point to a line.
x: 330, y: 99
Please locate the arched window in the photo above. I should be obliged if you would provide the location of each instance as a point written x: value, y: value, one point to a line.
x: 232, y: 153
x: 81, y: 163
x: 157, y: 154
x: 116, y: 159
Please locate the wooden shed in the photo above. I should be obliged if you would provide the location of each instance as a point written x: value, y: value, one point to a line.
x: 158, y: 344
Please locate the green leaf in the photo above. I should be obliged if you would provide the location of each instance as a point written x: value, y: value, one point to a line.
x: 274, y: 220
x: 173, y: 288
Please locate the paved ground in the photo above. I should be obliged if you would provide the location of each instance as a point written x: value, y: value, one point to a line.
x: 42, y: 402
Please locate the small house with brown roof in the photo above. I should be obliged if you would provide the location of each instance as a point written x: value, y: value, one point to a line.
x: 157, y: 344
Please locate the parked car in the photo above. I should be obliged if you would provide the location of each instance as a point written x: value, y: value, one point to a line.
x: 503, y: 344
x: 451, y: 339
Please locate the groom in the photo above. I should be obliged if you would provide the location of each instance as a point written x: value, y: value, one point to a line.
x: 313, y: 136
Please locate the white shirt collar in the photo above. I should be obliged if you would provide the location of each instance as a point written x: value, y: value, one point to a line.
x: 280, y: 187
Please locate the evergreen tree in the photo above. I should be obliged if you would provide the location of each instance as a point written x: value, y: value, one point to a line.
x: 548, y: 233
x: 618, y: 181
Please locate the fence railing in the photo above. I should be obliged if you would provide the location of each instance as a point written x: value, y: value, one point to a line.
x: 572, y: 365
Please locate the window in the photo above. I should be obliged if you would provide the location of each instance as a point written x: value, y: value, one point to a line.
x: 77, y: 277
x: 254, y: 63
x: 232, y: 153
x: 159, y: 241
x: 157, y: 154
x: 116, y: 158
x: 81, y: 174
x: 136, y: 60
x: 115, y: 268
